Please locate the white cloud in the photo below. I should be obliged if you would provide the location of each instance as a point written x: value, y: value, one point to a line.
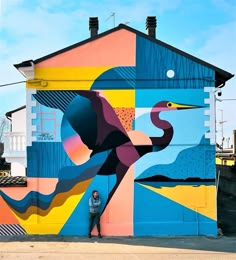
x: 227, y: 6
x: 219, y: 49
x: 27, y: 35
x: 220, y: 45
x: 44, y: 26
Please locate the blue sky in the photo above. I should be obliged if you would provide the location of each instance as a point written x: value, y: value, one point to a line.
x: 30, y: 29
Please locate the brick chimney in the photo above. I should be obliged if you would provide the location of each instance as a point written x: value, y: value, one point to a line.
x: 151, y: 24
x: 93, y: 26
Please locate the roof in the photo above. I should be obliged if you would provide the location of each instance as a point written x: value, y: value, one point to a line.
x: 221, y: 76
x: 9, y: 113
x: 13, y: 181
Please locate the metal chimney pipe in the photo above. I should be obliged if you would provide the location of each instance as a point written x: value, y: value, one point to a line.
x: 151, y: 24
x: 93, y: 26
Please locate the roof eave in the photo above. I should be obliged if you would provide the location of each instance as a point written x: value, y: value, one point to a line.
x: 26, y: 68
x: 9, y: 113
x: 221, y: 76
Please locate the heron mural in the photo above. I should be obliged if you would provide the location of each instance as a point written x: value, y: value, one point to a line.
x: 102, y: 132
x: 124, y: 128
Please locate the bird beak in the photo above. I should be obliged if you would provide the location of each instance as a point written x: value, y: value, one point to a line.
x: 184, y: 106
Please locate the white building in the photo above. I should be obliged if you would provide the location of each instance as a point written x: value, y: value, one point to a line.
x: 15, y: 141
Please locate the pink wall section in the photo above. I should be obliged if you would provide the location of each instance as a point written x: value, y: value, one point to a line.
x: 114, y: 220
x: 42, y: 185
x: 116, y: 49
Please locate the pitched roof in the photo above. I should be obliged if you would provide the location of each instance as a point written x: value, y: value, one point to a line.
x: 9, y: 113
x: 221, y: 76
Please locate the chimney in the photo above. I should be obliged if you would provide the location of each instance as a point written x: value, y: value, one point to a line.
x: 93, y: 26
x: 151, y: 24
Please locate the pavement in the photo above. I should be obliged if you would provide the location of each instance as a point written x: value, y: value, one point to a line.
x: 73, y: 247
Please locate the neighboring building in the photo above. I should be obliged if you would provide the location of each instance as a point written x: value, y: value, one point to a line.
x: 15, y: 141
x: 226, y: 156
x: 131, y: 116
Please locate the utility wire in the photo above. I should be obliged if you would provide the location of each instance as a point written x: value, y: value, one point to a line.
x: 13, y: 83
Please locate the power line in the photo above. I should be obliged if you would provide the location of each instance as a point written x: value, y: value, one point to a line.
x: 13, y: 83
x: 227, y: 99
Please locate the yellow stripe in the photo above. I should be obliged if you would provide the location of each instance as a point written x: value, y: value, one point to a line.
x: 65, y: 78
x: 53, y: 222
x: 228, y: 162
x: 55, y: 219
x: 119, y: 98
x: 201, y: 199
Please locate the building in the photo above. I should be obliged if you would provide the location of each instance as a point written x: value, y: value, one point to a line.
x: 130, y: 116
x: 14, y: 141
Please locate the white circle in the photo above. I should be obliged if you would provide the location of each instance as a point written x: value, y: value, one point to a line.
x: 170, y: 73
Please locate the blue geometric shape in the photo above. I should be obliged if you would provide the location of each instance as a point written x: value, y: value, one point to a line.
x: 196, y: 162
x: 45, y: 159
x: 163, y: 217
x: 55, y: 99
x: 154, y: 60
x: 78, y: 222
x: 116, y: 78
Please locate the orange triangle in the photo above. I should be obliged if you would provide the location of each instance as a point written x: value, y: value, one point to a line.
x: 6, y: 215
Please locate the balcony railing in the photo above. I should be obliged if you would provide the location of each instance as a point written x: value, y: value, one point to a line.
x: 14, y: 144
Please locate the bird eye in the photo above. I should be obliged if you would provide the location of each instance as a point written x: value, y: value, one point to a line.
x: 169, y: 104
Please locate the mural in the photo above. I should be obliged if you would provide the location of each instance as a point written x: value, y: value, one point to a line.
x: 131, y: 132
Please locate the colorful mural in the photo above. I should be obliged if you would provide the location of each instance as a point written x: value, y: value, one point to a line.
x: 110, y: 118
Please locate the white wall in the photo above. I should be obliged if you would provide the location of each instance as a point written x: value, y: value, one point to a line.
x: 18, y: 125
x: 19, y: 121
x: 17, y: 169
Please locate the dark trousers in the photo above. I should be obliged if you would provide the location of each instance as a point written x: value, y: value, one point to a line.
x: 94, y: 217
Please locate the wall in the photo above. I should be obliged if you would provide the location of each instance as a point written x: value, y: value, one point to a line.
x: 18, y: 126
x: 227, y: 179
x: 19, y: 121
x: 111, y: 119
x: 17, y: 169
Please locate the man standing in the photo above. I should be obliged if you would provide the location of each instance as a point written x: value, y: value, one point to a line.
x: 94, y: 214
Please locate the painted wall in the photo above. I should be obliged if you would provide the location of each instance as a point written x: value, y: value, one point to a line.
x: 111, y: 119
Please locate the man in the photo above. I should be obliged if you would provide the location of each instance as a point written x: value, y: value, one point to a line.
x: 94, y: 214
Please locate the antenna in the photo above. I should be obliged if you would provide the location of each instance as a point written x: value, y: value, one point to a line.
x: 112, y: 15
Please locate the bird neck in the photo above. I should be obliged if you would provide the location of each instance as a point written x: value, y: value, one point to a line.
x: 160, y: 123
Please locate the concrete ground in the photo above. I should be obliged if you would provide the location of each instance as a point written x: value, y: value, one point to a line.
x: 71, y: 247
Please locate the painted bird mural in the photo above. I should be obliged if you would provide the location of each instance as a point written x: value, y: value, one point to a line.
x: 90, y: 127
